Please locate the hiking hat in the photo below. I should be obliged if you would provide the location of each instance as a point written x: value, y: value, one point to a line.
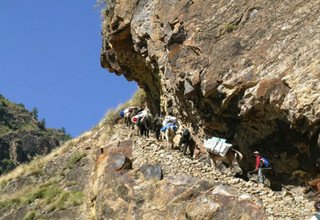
x: 256, y: 152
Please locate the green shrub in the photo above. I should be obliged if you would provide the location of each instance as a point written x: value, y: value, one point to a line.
x: 75, y: 159
x: 48, y: 194
x: 42, y: 124
x: 66, y: 199
x: 30, y: 216
x: 21, y: 105
x: 6, y: 165
x: 231, y: 27
x: 10, y: 203
x: 3, y: 129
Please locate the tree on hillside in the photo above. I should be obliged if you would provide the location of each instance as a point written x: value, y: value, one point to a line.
x: 63, y: 130
x: 65, y: 136
x: 35, y: 112
x: 42, y: 124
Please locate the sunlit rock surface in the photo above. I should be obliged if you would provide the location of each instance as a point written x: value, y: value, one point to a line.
x: 244, y: 70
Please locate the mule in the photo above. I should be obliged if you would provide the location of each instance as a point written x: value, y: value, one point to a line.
x: 228, y: 158
x: 156, y: 126
x: 313, y: 185
x: 128, y: 115
x: 169, y: 134
x: 144, y: 124
x: 186, y: 141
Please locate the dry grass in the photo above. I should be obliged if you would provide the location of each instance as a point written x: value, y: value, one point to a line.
x: 75, y: 159
x: 25, y: 195
x: 30, y: 215
x: 112, y: 115
x: 48, y: 194
x: 35, y: 166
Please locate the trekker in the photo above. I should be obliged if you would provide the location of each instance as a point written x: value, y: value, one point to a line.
x: 261, y: 164
x: 316, y: 216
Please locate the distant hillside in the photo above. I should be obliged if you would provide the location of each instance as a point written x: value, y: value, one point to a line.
x: 23, y: 136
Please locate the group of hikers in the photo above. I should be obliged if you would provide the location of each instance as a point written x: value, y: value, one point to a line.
x: 143, y: 119
x: 168, y: 126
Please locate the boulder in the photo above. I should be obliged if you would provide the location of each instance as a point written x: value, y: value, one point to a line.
x: 151, y: 171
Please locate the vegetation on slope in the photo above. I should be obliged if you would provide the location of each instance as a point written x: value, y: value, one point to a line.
x: 112, y: 115
x: 23, y: 136
x: 49, y: 193
x: 52, y: 183
x: 47, y: 184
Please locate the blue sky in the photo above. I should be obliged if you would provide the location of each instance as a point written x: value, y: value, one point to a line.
x: 49, y: 59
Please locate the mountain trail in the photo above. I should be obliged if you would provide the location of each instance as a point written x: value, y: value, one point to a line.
x: 289, y: 202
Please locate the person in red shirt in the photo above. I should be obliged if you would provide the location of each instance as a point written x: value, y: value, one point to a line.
x: 258, y: 167
x: 258, y: 158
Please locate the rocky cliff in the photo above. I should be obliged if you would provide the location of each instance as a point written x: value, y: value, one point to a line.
x: 244, y: 70
x: 112, y: 173
x: 23, y: 136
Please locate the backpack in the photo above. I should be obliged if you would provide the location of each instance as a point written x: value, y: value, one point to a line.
x: 265, y: 161
x: 122, y: 113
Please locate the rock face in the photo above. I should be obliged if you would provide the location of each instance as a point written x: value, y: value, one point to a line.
x: 151, y: 171
x: 139, y: 193
x: 244, y: 70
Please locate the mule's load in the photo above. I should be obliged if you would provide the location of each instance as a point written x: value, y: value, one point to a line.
x: 122, y: 113
x: 169, y: 120
x: 135, y: 119
x: 169, y: 125
x: 217, y: 146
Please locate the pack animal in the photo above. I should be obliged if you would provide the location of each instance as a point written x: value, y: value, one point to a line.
x: 156, y: 125
x: 144, y: 124
x: 228, y: 158
x: 170, y: 133
x: 313, y: 185
x: 128, y: 115
x: 187, y: 142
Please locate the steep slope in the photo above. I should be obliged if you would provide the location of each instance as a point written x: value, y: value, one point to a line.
x: 243, y: 70
x: 23, y: 136
x: 49, y: 187
x: 112, y: 173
